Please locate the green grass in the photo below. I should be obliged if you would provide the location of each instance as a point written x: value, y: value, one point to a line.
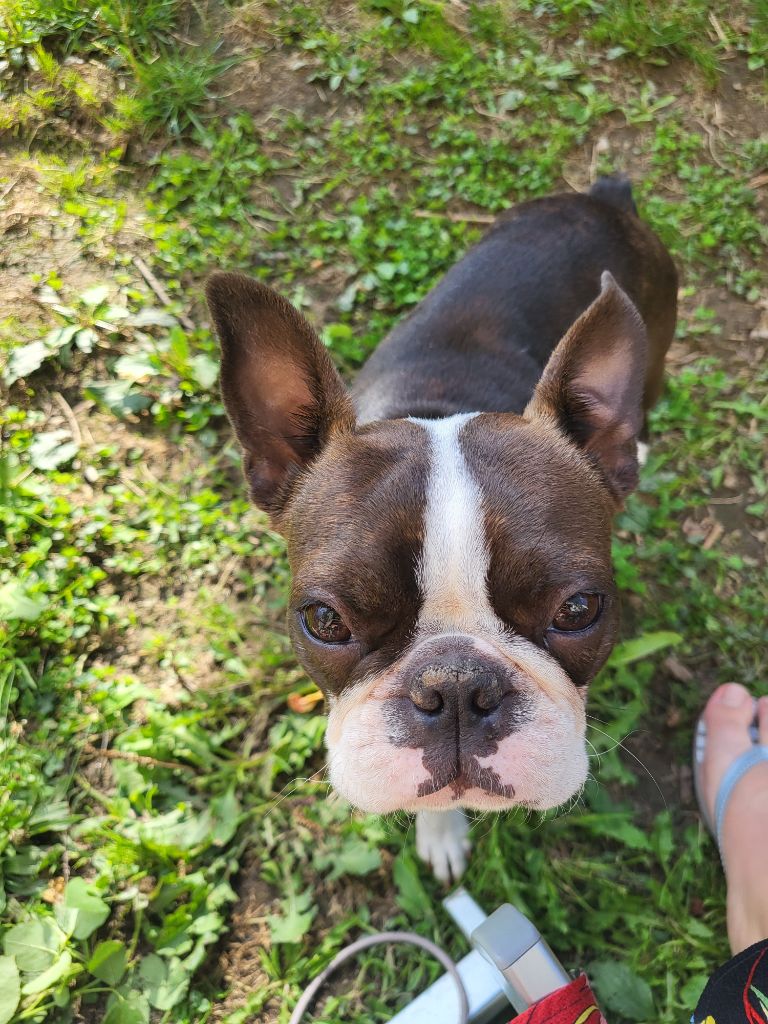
x: 151, y: 768
x: 70, y: 26
x: 175, y: 90
x: 138, y: 44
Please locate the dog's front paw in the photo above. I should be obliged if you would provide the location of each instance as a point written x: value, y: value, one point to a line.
x: 442, y: 840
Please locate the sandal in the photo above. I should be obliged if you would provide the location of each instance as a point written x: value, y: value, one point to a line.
x: 735, y: 772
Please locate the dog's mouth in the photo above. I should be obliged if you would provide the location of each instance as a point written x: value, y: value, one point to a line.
x: 464, y: 775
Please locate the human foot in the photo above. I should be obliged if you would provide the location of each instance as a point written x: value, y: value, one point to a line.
x: 744, y: 833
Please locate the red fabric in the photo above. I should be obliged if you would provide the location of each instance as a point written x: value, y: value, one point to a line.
x: 573, y: 1004
x: 751, y: 1013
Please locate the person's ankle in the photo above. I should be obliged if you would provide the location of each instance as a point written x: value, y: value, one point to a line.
x: 746, y: 924
x: 744, y: 839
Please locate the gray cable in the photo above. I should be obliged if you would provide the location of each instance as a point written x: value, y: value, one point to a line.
x: 408, y: 938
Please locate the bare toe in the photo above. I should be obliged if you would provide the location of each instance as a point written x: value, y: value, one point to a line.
x: 728, y: 715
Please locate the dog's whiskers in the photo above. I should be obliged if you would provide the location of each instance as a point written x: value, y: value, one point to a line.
x: 290, y: 788
x: 633, y: 755
x: 597, y: 754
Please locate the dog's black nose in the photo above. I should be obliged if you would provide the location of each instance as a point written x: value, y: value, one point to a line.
x: 468, y: 688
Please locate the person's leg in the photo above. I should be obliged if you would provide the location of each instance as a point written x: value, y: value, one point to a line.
x: 728, y: 714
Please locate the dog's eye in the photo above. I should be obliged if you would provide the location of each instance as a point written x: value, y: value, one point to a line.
x: 577, y: 612
x: 325, y: 624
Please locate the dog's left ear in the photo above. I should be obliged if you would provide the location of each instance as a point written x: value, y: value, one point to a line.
x: 593, y: 386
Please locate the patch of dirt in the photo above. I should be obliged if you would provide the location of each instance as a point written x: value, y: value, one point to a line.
x: 38, y: 239
x: 662, y: 784
x: 263, y: 85
x: 740, y: 346
x: 240, y: 965
x: 240, y: 961
x: 741, y: 106
x: 736, y: 110
x: 54, y: 107
x: 276, y: 79
x: 34, y: 242
x: 737, y: 319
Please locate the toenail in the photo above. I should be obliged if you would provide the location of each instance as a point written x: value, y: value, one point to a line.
x: 732, y: 695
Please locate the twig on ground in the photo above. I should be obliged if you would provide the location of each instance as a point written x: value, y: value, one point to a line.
x: 457, y: 218
x: 69, y: 416
x: 713, y: 536
x: 489, y: 113
x: 225, y: 576
x: 677, y: 669
x: 185, y: 683
x: 81, y: 411
x: 719, y: 119
x: 132, y: 486
x: 735, y: 499
x: 160, y: 291
x: 83, y: 783
x: 719, y: 31
x: 10, y: 187
x: 711, y: 142
x: 147, y: 472
x: 572, y: 184
x: 141, y: 759
x: 65, y: 863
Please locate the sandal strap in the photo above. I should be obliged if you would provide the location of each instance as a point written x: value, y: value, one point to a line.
x: 734, y: 774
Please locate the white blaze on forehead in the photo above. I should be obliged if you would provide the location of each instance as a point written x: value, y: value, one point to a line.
x: 544, y: 761
x: 454, y: 563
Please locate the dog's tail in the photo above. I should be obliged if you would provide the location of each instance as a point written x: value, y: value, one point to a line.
x: 616, y: 190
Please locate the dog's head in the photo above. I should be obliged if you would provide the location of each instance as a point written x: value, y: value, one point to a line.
x: 452, y: 585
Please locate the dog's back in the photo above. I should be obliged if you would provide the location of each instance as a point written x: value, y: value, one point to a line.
x: 480, y: 339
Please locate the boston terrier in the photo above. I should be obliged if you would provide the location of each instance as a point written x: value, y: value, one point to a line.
x: 448, y: 519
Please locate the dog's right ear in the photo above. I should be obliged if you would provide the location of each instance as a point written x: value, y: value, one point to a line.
x: 593, y: 385
x: 281, y: 391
